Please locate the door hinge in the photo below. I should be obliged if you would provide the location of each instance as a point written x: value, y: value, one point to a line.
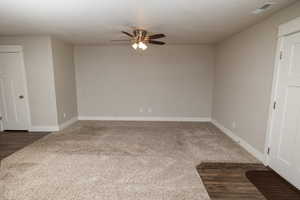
x: 274, y: 105
x: 281, y: 55
x: 269, y: 151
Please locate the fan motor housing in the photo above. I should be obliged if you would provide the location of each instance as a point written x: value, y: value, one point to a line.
x: 140, y: 34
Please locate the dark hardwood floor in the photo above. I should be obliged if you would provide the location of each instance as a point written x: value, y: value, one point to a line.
x: 227, y: 181
x: 230, y: 181
x: 11, y: 141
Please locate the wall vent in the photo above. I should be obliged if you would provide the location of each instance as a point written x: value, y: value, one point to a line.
x: 264, y: 8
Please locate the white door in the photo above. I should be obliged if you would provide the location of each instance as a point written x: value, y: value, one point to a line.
x: 13, y: 95
x: 285, y: 137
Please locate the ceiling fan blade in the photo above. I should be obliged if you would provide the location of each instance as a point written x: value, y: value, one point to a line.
x: 120, y: 40
x: 157, y: 36
x: 156, y: 42
x: 128, y: 34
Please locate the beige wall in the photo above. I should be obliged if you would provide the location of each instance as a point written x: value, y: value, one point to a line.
x: 243, y: 78
x: 64, y: 75
x: 172, y: 80
x: 40, y: 79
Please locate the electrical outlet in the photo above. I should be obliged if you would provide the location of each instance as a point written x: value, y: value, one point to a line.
x: 149, y: 110
x: 141, y: 109
x: 65, y: 115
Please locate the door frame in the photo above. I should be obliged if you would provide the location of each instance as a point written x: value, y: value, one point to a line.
x: 284, y: 30
x: 18, y: 49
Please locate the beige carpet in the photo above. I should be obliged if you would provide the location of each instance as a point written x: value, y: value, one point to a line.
x: 117, y: 161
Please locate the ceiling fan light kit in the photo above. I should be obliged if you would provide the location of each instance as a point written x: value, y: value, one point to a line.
x: 139, y: 38
x: 135, y: 46
x: 142, y: 46
x: 139, y: 45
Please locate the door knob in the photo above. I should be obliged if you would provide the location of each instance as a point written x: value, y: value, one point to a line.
x: 21, y: 97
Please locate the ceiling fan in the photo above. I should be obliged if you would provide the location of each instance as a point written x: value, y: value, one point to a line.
x: 139, y: 38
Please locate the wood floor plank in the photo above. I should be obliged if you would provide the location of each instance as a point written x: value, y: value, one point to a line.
x: 229, y: 181
x: 11, y: 142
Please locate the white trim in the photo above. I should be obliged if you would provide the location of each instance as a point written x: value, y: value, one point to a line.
x: 53, y: 85
x: 10, y: 48
x: 26, y: 91
x: 44, y: 128
x: 53, y: 128
x: 289, y: 27
x: 1, y: 113
x: 273, y: 99
x: 284, y: 30
x: 166, y: 119
x: 260, y: 156
x: 68, y: 123
x: 19, y: 49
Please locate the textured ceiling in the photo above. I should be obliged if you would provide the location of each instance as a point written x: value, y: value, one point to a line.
x: 99, y: 21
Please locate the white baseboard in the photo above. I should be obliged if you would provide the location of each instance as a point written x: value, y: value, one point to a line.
x: 53, y: 128
x: 68, y: 123
x: 74, y: 119
x: 260, y: 156
x: 44, y: 128
x: 166, y: 119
